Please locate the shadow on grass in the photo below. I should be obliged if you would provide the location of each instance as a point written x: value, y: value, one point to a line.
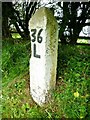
x: 70, y: 53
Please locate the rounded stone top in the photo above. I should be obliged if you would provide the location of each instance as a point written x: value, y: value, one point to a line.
x: 43, y: 16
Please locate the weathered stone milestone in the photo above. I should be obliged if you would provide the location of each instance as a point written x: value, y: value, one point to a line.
x: 43, y: 62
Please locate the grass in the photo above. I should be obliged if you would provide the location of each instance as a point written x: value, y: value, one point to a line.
x: 70, y: 99
x: 16, y: 35
x: 82, y: 41
x: 15, y: 60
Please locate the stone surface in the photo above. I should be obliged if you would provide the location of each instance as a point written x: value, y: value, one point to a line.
x: 43, y: 63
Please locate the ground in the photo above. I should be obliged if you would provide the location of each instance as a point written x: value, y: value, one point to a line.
x: 70, y: 99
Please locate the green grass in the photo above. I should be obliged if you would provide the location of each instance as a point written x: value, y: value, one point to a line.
x: 16, y: 35
x: 70, y: 99
x: 15, y: 60
x: 82, y: 41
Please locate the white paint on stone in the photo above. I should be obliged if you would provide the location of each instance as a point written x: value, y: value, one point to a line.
x: 43, y: 68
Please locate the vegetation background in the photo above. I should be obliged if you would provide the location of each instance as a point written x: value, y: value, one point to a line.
x: 70, y: 99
